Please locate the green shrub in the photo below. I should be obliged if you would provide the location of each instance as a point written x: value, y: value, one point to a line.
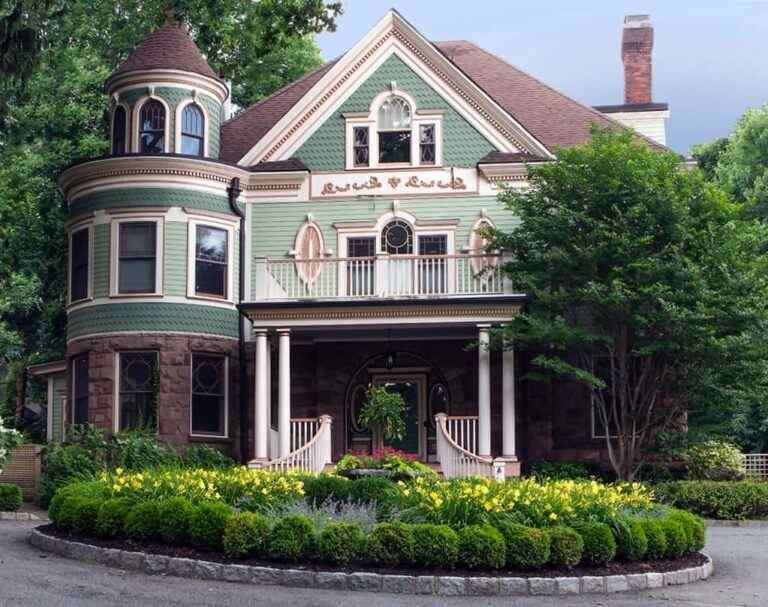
x: 203, y: 456
x: 391, y: 544
x: 139, y: 450
x: 320, y: 488
x: 113, y: 513
x: 143, y: 522
x: 694, y: 527
x: 245, y: 534
x: 175, y: 515
x: 527, y: 548
x: 599, y: 544
x: 81, y: 489
x: 566, y: 547
x: 713, y: 460
x: 80, y: 513
x: 374, y: 490
x: 63, y: 465
x: 10, y: 498
x: 631, y: 541
x: 677, y: 541
x: 718, y: 500
x: 206, y: 524
x: 657, y: 541
x: 292, y: 538
x: 561, y: 470
x: 481, y: 547
x: 435, y: 546
x: 341, y: 543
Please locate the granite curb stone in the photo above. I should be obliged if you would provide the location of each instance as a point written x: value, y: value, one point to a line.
x: 444, y: 585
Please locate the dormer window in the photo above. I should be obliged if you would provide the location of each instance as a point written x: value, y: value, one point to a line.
x: 152, y: 128
x: 192, y: 130
x: 393, y: 133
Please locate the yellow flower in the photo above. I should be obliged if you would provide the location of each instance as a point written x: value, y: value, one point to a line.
x: 552, y: 516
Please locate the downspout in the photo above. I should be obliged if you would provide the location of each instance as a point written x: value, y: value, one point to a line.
x: 233, y: 192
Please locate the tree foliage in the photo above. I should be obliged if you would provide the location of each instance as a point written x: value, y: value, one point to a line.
x: 647, y: 286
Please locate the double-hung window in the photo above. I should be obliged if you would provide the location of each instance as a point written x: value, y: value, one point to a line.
x: 433, y: 275
x: 137, y: 257
x: 209, y: 395
x: 211, y: 261
x: 79, y: 264
x: 138, y: 390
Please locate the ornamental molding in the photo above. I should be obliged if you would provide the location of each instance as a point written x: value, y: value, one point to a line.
x: 120, y: 83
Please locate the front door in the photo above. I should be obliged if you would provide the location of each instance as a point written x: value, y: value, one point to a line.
x: 412, y: 389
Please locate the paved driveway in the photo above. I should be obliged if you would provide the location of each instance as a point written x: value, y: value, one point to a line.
x: 30, y: 577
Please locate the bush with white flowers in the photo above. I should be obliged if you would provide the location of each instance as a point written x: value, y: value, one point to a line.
x: 9, y: 439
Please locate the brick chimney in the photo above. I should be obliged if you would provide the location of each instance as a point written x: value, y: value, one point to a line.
x: 636, y: 49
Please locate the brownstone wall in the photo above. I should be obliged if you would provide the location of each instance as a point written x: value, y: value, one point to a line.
x: 175, y: 357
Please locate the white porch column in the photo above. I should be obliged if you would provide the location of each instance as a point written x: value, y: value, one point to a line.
x: 284, y: 387
x: 484, y: 392
x: 261, y: 430
x: 508, y: 405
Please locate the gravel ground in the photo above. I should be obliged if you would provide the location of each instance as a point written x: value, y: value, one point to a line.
x: 29, y: 577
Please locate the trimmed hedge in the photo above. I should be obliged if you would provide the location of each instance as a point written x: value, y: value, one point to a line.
x: 245, y: 535
x: 391, y: 544
x: 341, y: 543
x: 435, y: 546
x: 717, y: 499
x: 677, y: 540
x: 481, y: 547
x: 10, y: 498
x: 526, y: 547
x: 631, y: 541
x: 694, y: 527
x: 657, y: 540
x: 113, y: 513
x: 143, y: 522
x: 566, y: 547
x: 81, y: 489
x: 599, y: 543
x: 292, y: 538
x: 175, y: 516
x: 206, y: 524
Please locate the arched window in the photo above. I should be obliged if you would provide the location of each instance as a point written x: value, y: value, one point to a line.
x: 397, y: 238
x: 394, y: 129
x: 152, y: 128
x: 192, y: 130
x: 118, y: 131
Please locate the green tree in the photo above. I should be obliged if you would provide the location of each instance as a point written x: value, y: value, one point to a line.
x: 646, y: 286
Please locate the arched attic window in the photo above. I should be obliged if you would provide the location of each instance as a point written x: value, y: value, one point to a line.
x: 394, y: 130
x: 152, y: 128
x: 193, y: 130
x: 118, y: 131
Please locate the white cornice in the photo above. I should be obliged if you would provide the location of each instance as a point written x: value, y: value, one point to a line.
x: 166, y: 77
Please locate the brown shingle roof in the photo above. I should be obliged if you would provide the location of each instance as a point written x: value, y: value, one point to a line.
x: 169, y: 47
x: 240, y: 133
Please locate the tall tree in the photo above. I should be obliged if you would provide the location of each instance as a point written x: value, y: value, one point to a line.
x: 646, y: 286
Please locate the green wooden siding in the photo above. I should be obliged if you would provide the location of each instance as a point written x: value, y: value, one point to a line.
x: 463, y: 145
x: 152, y: 316
x: 175, y: 262
x: 101, y: 238
x: 173, y: 96
x: 275, y: 225
x: 57, y: 408
x: 149, y: 197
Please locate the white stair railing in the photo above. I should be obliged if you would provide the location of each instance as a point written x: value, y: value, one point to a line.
x: 463, y: 430
x: 458, y: 462
x: 313, y: 455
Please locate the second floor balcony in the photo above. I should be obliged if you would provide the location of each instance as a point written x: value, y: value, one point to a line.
x: 381, y: 277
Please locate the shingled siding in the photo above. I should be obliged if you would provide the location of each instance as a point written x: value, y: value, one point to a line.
x: 173, y: 96
x: 149, y: 197
x: 275, y: 225
x: 152, y: 316
x: 463, y: 145
x: 175, y: 261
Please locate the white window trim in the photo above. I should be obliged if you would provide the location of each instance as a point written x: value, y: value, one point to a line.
x: 192, y: 224
x: 89, y: 279
x: 116, y: 396
x: 177, y: 124
x: 136, y: 118
x: 127, y: 133
x: 370, y: 120
x: 225, y: 435
x: 114, y: 254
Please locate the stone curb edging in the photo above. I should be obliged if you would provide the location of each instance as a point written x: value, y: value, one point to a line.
x: 18, y: 516
x: 442, y: 585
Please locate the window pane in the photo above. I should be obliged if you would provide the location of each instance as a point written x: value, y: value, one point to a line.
x: 211, y: 244
x: 211, y: 252
x: 118, y: 131
x: 192, y: 120
x: 394, y: 146
x: 152, y: 128
x: 394, y: 113
x: 137, y: 276
x: 138, y: 239
x: 80, y: 389
x: 138, y: 399
x: 397, y: 238
x: 361, y: 153
x: 208, y: 394
x: 191, y: 145
x: 79, y: 277
x: 211, y: 278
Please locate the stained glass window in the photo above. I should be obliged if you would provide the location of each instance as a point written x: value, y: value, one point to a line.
x: 138, y: 398
x: 209, y: 394
x: 152, y: 128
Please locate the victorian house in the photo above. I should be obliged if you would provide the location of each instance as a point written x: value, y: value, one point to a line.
x: 239, y: 278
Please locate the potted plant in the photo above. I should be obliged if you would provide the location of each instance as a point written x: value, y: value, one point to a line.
x: 384, y: 415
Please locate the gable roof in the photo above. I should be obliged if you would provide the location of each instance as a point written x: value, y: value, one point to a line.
x: 551, y: 117
x: 169, y: 47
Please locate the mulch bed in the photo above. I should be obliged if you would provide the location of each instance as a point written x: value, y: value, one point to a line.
x: 612, y: 568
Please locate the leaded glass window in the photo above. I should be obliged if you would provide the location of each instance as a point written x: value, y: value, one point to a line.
x: 118, y: 131
x: 360, y: 148
x: 152, y: 128
x: 394, y: 114
x: 209, y: 394
x: 192, y: 130
x: 137, y: 257
x: 394, y: 130
x: 397, y: 238
x: 138, y: 390
x: 78, y: 280
x: 427, y: 143
x: 211, y: 261
x: 80, y: 389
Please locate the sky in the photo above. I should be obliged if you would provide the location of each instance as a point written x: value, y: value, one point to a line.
x: 710, y: 58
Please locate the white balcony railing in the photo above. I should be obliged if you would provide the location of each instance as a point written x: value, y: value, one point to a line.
x: 381, y: 276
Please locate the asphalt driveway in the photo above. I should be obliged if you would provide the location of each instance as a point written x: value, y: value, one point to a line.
x: 30, y: 577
